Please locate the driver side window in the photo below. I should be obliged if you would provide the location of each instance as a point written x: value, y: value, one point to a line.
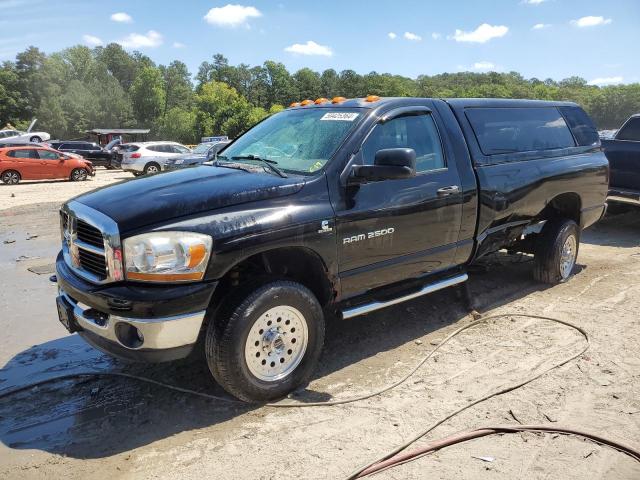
x: 416, y: 131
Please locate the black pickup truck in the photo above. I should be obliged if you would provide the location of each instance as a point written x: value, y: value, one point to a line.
x: 623, y: 152
x: 340, y: 207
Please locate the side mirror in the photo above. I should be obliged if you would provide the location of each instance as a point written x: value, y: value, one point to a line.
x: 211, y: 154
x: 389, y: 164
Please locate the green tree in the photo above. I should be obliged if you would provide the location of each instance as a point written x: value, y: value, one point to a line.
x: 178, y: 125
x: 148, y: 95
x: 178, y: 87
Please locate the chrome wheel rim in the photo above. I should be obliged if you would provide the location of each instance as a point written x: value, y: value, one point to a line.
x: 10, y: 178
x: 152, y: 169
x: 79, y: 175
x: 276, y: 343
x: 568, y: 256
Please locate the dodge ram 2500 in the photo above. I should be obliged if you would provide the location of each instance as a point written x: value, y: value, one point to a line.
x: 343, y: 206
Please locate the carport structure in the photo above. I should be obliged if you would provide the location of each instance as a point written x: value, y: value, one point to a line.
x: 105, y: 135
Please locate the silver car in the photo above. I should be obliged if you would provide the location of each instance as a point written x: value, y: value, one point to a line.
x: 144, y: 158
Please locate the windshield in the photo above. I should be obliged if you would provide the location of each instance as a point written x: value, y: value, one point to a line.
x: 300, y: 141
x: 202, y: 148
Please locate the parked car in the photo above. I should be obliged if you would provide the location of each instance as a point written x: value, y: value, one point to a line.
x: 36, y: 163
x: 143, y: 158
x: 201, y: 153
x: 347, y: 206
x: 89, y: 150
x: 17, y: 136
x: 623, y: 152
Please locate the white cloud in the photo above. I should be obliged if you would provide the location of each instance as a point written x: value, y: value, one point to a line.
x: 121, y: 17
x: 92, y: 41
x: 533, y: 2
x: 484, y: 65
x: 412, y: 36
x: 436, y: 36
x: 601, y: 81
x: 178, y: 45
x: 151, y: 39
x: 231, y: 15
x: 540, y: 26
x: 591, y: 21
x: 309, y: 48
x: 392, y: 35
x: 482, y: 34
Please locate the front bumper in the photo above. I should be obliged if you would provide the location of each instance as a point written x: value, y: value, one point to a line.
x: 140, y: 323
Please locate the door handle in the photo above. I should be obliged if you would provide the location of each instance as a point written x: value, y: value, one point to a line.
x: 450, y: 190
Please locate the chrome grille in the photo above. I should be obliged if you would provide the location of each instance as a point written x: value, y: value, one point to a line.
x: 93, y: 262
x: 89, y: 234
x: 90, y: 243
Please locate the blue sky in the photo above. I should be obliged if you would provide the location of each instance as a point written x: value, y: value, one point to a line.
x: 594, y: 39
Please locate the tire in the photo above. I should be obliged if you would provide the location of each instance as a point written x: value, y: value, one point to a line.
x: 35, y: 139
x: 11, y: 177
x: 556, y: 251
x: 152, y: 168
x: 137, y: 174
x: 78, y: 175
x: 267, y: 342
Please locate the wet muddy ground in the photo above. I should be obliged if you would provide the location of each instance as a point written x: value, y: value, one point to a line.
x: 93, y: 428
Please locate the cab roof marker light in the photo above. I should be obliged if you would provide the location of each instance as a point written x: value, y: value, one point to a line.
x: 304, y: 103
x: 321, y: 100
x: 338, y: 100
x: 372, y: 98
x: 294, y: 104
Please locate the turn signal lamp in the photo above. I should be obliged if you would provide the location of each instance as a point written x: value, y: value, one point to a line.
x: 338, y: 99
x: 321, y: 100
x: 304, y: 103
x: 372, y: 98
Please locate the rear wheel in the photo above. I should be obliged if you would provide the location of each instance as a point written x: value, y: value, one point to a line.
x: 556, y: 251
x: 78, y: 174
x: 11, y: 177
x: 267, y: 342
x: 151, y: 168
x: 35, y: 139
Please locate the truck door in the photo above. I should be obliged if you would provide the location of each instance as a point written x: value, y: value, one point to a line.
x: 399, y: 229
x: 624, y: 156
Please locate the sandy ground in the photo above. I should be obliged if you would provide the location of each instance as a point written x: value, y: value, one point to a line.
x: 122, y: 429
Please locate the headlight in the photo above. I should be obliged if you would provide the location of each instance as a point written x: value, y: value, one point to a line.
x: 167, y: 256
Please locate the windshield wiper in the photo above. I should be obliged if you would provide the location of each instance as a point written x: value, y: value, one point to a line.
x: 270, y: 164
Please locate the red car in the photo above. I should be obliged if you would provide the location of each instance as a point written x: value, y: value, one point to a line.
x: 36, y: 163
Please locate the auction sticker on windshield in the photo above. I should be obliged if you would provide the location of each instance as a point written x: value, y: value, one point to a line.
x: 342, y: 116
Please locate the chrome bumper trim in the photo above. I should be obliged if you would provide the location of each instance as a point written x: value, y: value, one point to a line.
x: 159, y: 333
x: 373, y: 306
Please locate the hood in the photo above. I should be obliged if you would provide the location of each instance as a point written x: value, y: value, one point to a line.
x: 149, y: 200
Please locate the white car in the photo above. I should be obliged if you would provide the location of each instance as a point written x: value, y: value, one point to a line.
x: 143, y: 158
x: 16, y: 136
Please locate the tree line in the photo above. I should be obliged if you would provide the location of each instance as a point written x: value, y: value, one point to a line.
x: 79, y: 88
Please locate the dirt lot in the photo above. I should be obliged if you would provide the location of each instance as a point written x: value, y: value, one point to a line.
x: 120, y: 429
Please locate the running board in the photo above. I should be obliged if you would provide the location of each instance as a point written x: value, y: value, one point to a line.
x: 433, y: 287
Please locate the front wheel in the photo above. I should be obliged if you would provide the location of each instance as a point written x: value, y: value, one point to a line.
x: 267, y: 343
x: 35, y: 139
x: 556, y: 251
x: 10, y: 177
x: 78, y: 174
